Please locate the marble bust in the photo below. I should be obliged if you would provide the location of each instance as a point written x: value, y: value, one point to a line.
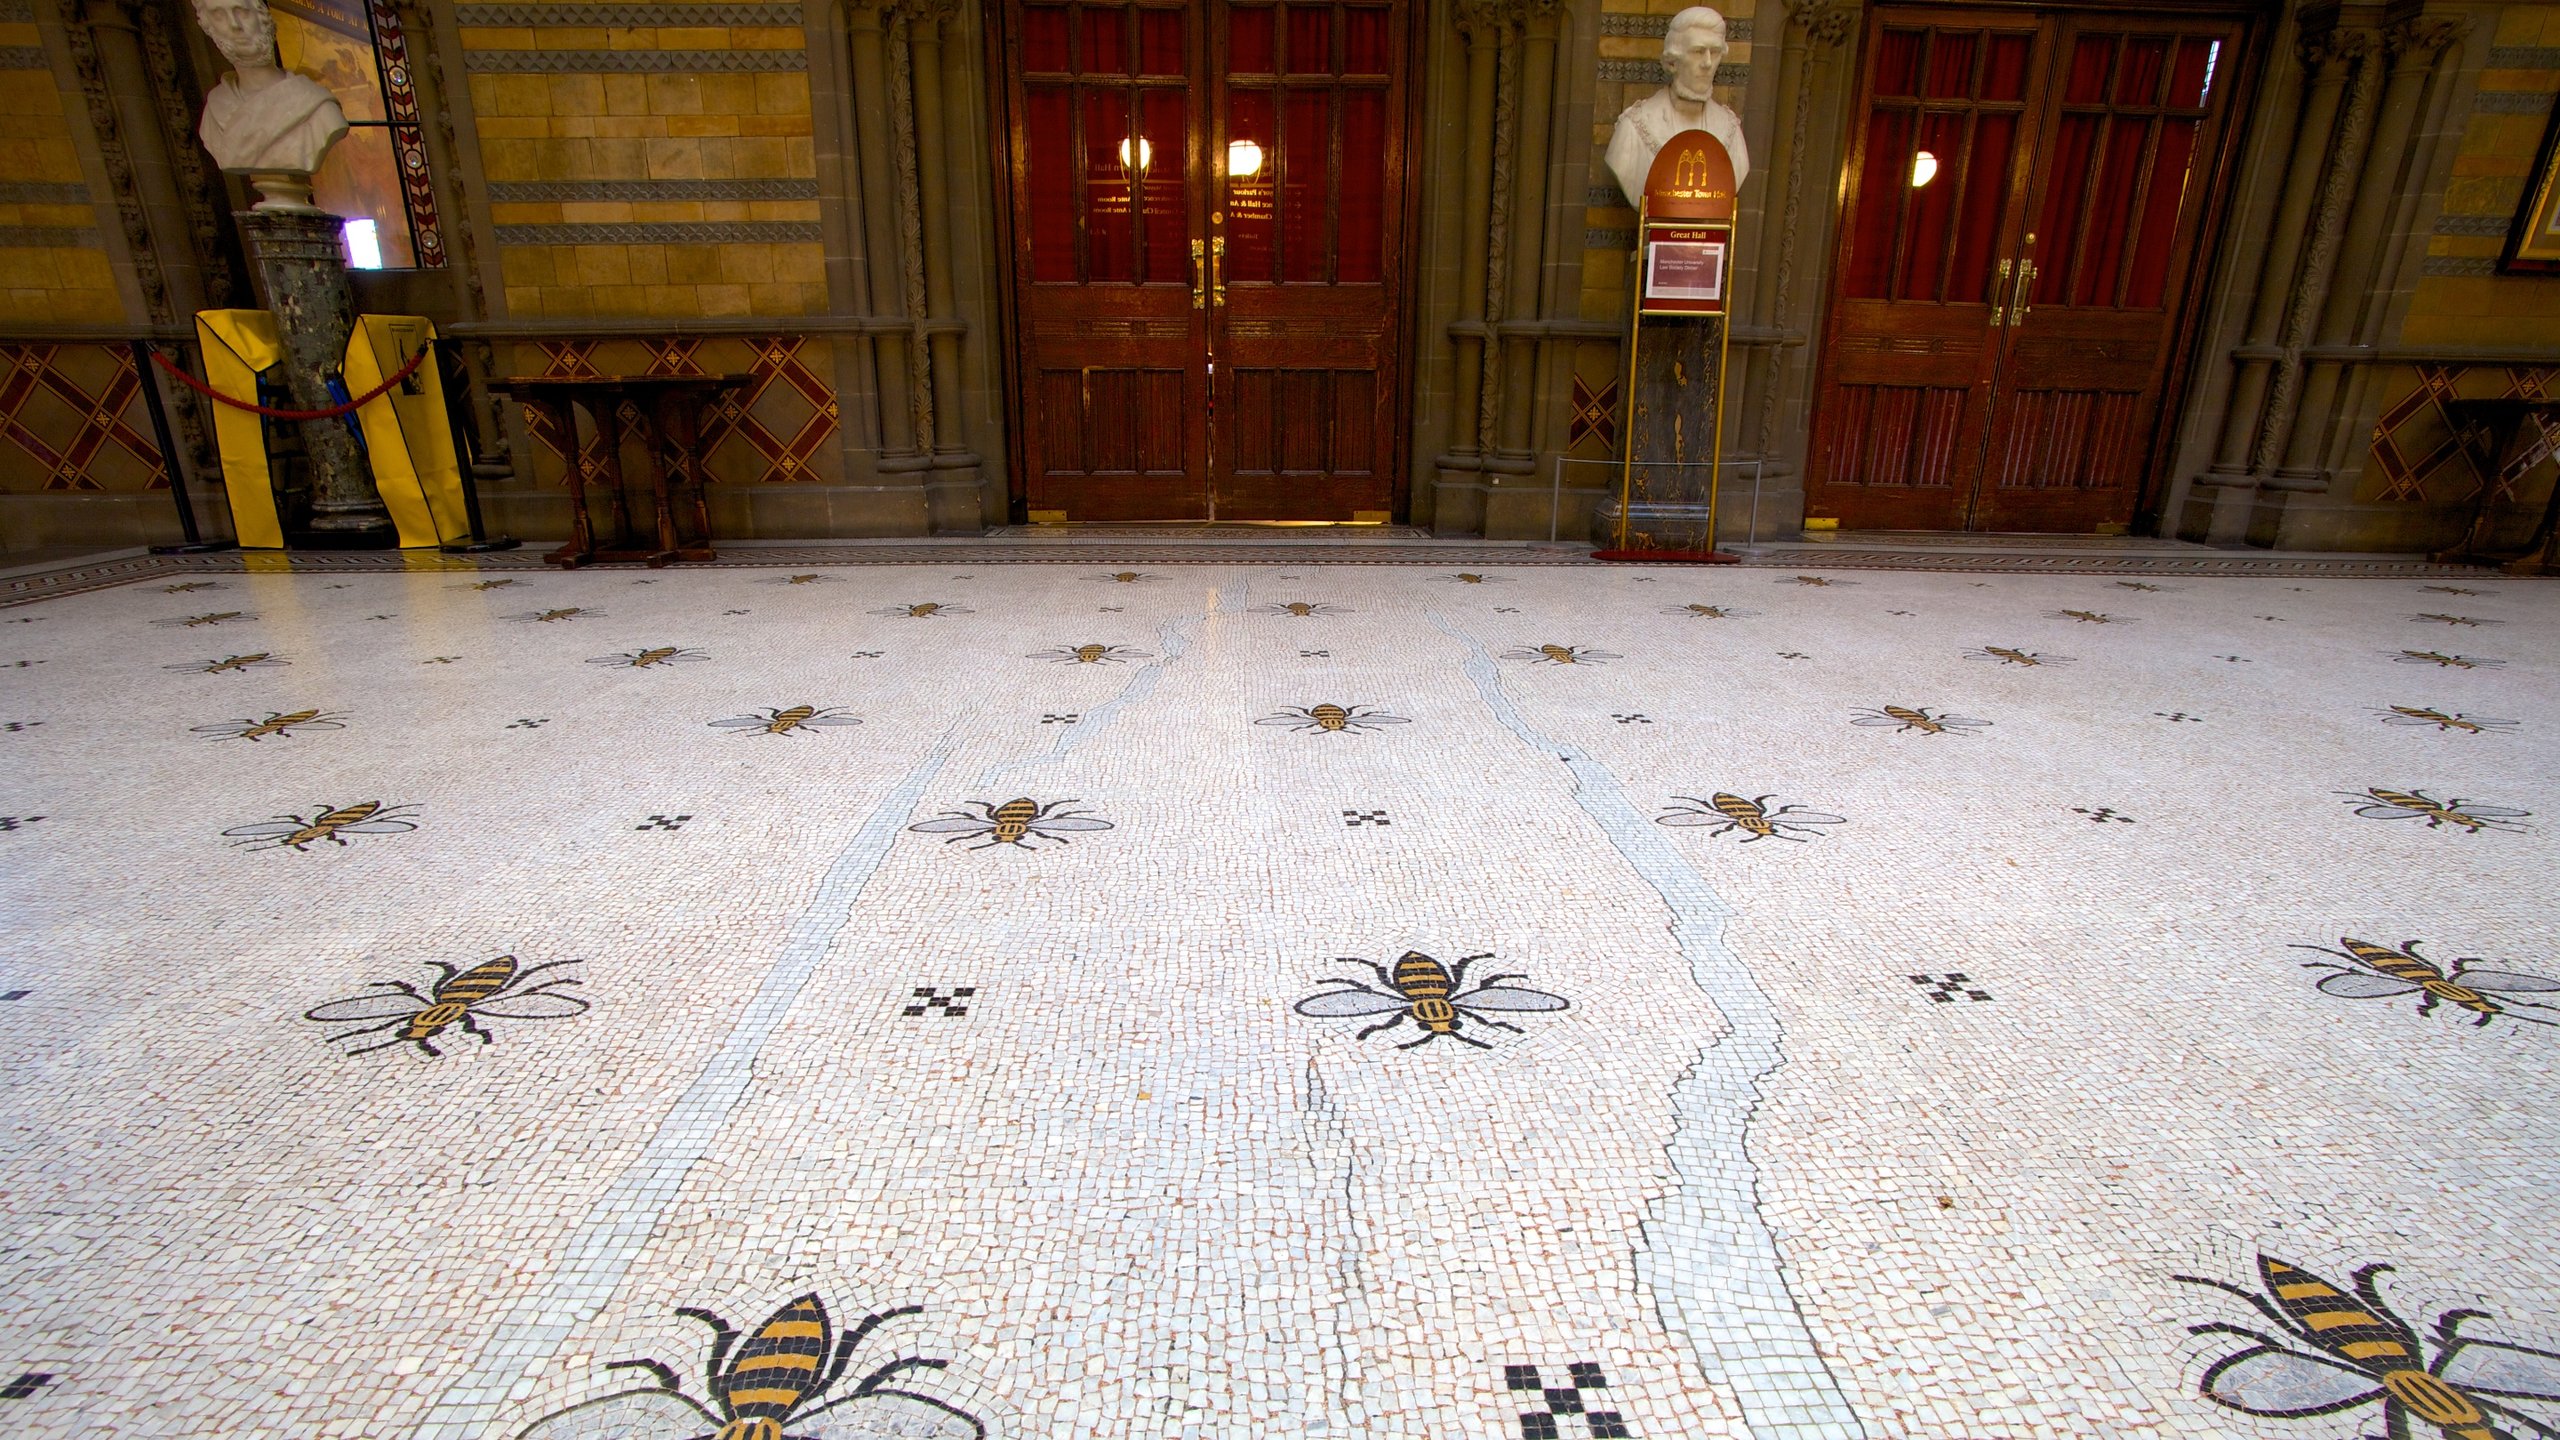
x: 263, y: 121
x: 1691, y: 50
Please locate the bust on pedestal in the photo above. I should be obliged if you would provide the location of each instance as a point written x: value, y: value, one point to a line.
x: 276, y: 128
x: 1691, y: 50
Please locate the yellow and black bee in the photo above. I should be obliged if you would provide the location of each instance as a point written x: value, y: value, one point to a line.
x: 2145, y: 586
x: 545, y: 617
x: 1095, y: 653
x: 219, y: 617
x: 2336, y: 1351
x: 1812, y: 580
x: 785, y: 722
x: 486, y: 585
x: 274, y: 724
x: 1710, y: 612
x: 190, y: 586
x: 1925, y: 721
x: 366, y: 817
x: 1424, y: 991
x: 1334, y: 719
x: 2378, y: 973
x: 490, y: 990
x: 1464, y: 577
x: 1129, y: 577
x: 1303, y: 609
x: 1561, y: 655
x: 2380, y: 804
x: 233, y: 663
x: 1015, y: 822
x: 811, y: 578
x: 1728, y: 813
x: 2008, y: 656
x: 654, y: 656
x: 2444, y: 661
x: 2419, y: 715
x: 2464, y: 620
x: 923, y: 611
x: 2454, y: 590
x: 2086, y: 617
x: 772, y: 1384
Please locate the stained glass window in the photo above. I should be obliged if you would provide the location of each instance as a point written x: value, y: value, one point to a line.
x: 377, y: 176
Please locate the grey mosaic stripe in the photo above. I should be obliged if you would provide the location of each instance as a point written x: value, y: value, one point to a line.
x: 2468, y: 267
x: 2511, y: 102
x: 1649, y: 72
x: 1598, y: 239
x: 617, y: 62
x: 699, y: 232
x: 44, y: 192
x: 23, y: 57
x: 573, y: 191
x: 48, y: 237
x: 630, y: 16
x: 2524, y: 57
x: 1651, y: 27
x: 2476, y: 225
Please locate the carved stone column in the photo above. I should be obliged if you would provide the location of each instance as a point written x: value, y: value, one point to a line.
x: 1817, y: 33
x: 2412, y: 49
x: 1533, y: 120
x: 2326, y: 60
x: 925, y: 21
x: 1486, y: 26
x: 866, y: 27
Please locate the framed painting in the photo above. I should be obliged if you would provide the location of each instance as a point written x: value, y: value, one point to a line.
x: 2533, y: 241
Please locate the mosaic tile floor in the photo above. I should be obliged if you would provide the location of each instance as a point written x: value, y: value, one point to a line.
x: 1273, y: 998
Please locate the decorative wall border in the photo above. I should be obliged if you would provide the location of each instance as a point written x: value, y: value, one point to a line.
x: 1654, y: 27
x: 618, y: 62
x: 678, y: 15
x: 1649, y: 72
x: 49, y: 237
x: 671, y: 232
x: 23, y: 57
x: 44, y: 192
x: 535, y: 192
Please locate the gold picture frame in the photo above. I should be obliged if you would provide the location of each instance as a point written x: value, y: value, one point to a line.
x: 2533, y: 241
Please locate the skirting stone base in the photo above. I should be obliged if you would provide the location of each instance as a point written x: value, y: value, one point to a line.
x: 772, y: 512
x: 29, y: 522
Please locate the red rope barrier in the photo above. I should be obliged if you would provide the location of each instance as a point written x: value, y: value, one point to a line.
x: 272, y: 413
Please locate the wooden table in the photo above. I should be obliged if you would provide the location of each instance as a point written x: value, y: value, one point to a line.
x: 666, y: 412
x: 2503, y: 420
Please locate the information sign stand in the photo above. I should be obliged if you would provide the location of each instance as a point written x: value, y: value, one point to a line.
x: 1682, y: 267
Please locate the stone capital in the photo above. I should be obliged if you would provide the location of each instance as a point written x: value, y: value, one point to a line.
x: 2423, y: 38
x: 2336, y: 47
x: 1824, y: 24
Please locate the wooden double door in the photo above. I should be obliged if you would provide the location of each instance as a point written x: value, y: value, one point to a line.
x: 1207, y: 218
x: 2028, y: 194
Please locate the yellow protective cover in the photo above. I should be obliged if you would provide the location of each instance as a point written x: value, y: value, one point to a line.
x: 406, y: 431
x: 238, y: 346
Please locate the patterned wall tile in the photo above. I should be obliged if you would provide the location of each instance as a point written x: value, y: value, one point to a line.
x: 75, y: 412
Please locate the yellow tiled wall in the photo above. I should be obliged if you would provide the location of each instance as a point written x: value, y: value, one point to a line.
x: 48, y: 272
x: 2460, y: 301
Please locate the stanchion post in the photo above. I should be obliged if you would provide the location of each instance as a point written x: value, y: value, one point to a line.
x: 170, y: 470
x: 464, y: 455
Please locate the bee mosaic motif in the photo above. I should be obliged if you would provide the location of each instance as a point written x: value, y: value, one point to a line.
x: 656, y: 655
x: 486, y: 585
x: 1302, y: 609
x: 1561, y: 655
x: 2147, y: 586
x: 491, y: 990
x: 2086, y: 617
x: 1468, y: 578
x: 1129, y: 577
x: 1726, y: 813
x: 190, y: 587
x: 2334, y: 1350
x: 785, y: 1380
x: 2375, y: 972
x: 1016, y: 822
x: 2464, y: 620
x: 2381, y: 804
x: 812, y: 578
x: 2442, y: 720
x: 924, y: 610
x: 1424, y: 991
x: 2008, y: 656
x: 1330, y: 719
x: 2453, y: 590
x: 231, y: 664
x: 1092, y: 654
x: 795, y: 720
x: 1709, y: 612
x: 2444, y: 661
x: 219, y: 617
x: 546, y: 617
x: 1812, y: 580
x: 365, y: 817
x: 1927, y: 722
x: 274, y: 724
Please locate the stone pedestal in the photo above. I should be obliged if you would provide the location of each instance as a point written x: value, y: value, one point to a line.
x: 302, y: 261
x: 1675, y: 421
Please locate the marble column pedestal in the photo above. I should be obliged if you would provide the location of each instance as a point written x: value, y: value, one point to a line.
x: 301, y: 258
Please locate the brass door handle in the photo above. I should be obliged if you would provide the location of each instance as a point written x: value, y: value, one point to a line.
x: 2020, y: 298
x: 2001, y: 294
x: 1199, y: 295
x: 1217, y: 261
